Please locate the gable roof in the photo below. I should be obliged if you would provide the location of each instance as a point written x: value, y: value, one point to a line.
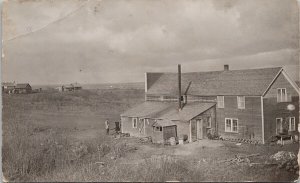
x: 76, y: 85
x: 22, y: 85
x: 298, y: 83
x: 231, y: 82
x: 11, y: 84
x: 168, y: 110
x: 188, y: 112
x: 147, y: 109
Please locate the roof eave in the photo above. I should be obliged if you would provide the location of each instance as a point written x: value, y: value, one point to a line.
x: 274, y: 79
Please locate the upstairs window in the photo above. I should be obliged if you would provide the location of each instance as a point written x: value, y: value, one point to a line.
x: 231, y: 125
x: 281, y: 95
x: 292, y: 124
x: 134, y: 122
x: 220, y: 100
x: 241, y: 102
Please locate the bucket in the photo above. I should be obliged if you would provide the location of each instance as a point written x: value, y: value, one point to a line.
x: 172, y: 141
x: 180, y: 141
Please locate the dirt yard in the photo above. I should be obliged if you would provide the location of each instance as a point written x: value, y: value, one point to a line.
x: 61, y: 137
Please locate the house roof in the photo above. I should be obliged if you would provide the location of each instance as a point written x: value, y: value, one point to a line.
x: 22, y: 85
x: 188, y: 112
x: 8, y: 84
x: 168, y: 111
x: 76, y: 85
x: 72, y: 85
x: 231, y: 82
x: 298, y: 83
x: 147, y: 109
x: 164, y: 123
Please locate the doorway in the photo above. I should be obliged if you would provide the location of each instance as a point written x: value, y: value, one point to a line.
x: 200, y: 129
x: 197, y: 129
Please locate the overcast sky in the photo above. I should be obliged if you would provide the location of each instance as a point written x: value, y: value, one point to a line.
x: 91, y: 41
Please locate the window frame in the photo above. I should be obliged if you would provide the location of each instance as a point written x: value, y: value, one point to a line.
x: 157, y: 128
x: 290, y: 124
x: 208, y: 121
x: 219, y: 102
x: 280, y: 96
x: 241, y: 100
x: 281, y: 122
x: 134, y: 122
x: 231, y: 125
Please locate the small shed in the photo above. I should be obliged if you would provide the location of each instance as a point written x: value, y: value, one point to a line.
x: 163, y: 130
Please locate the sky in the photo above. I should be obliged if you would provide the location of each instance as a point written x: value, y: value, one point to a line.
x: 93, y: 41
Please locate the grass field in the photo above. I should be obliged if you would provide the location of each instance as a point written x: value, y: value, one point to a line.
x: 61, y: 137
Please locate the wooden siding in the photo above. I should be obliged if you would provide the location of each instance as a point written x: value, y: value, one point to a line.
x: 191, y: 98
x: 274, y: 109
x: 127, y: 127
x: 249, y: 119
x: 204, y: 116
x: 182, y: 128
x: 157, y: 136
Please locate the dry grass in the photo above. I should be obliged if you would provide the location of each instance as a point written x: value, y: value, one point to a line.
x: 57, y: 137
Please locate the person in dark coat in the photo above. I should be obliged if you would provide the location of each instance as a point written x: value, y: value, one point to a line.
x: 107, y: 126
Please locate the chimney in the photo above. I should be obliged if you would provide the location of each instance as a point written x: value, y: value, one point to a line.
x: 179, y: 87
x: 226, y: 67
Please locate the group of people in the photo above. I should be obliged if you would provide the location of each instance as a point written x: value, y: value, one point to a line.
x: 117, y: 128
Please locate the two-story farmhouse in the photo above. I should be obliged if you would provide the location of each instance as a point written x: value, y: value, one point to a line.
x: 252, y: 104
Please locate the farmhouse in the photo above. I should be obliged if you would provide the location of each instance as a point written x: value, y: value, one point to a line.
x: 23, y: 88
x: 251, y: 104
x: 8, y: 87
x: 70, y: 87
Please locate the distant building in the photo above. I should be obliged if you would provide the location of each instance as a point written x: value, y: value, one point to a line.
x: 76, y: 86
x: 69, y: 87
x: 59, y: 88
x: 23, y: 88
x: 8, y: 87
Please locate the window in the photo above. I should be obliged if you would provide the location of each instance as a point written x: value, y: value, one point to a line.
x: 281, y: 95
x: 279, y: 128
x: 158, y: 128
x: 231, y: 125
x: 134, y: 122
x: 292, y: 124
x: 220, y: 100
x: 241, y: 102
x: 208, y: 122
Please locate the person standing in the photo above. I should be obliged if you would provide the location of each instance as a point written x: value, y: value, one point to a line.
x: 107, y: 126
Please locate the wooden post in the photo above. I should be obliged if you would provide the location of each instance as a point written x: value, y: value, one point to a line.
x: 145, y: 126
x: 262, y: 119
x: 190, y: 136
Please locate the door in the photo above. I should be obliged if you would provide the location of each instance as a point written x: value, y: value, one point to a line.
x: 194, y: 130
x: 169, y: 131
x: 200, y: 129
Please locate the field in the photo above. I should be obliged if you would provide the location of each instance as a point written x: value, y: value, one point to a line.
x: 53, y: 136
